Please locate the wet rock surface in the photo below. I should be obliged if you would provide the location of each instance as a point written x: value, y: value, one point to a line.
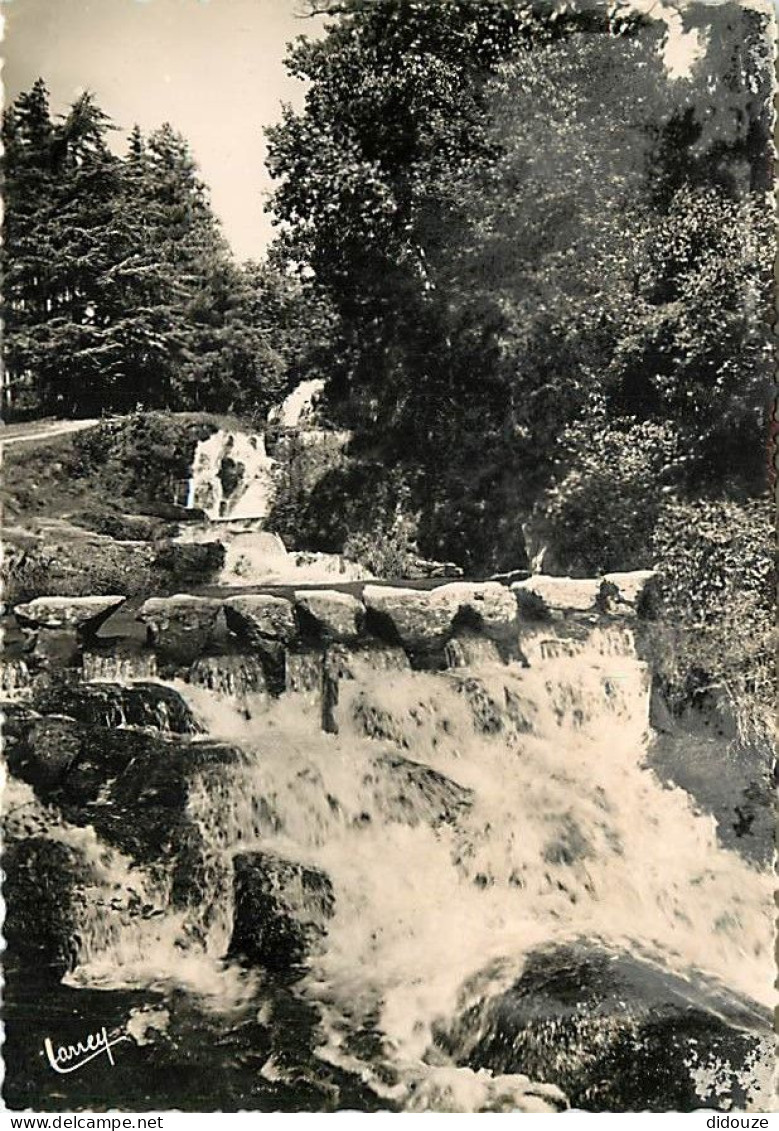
x: 411, y: 792
x: 617, y: 1033
x: 44, y: 887
x: 141, y: 704
x: 281, y: 911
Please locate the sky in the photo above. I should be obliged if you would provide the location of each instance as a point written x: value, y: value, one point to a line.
x: 212, y: 68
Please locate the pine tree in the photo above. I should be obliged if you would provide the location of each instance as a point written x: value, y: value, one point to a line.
x: 27, y: 245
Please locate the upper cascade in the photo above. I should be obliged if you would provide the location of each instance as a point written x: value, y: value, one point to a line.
x: 298, y: 407
x: 232, y: 476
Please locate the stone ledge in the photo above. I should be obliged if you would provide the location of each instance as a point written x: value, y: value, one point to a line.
x: 84, y: 614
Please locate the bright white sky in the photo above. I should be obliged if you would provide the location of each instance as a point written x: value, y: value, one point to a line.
x: 212, y: 68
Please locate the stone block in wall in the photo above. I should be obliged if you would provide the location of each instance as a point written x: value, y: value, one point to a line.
x: 329, y: 615
x: 261, y: 618
x: 630, y: 588
x: 182, y: 627
x: 485, y: 606
x: 419, y: 619
x: 84, y: 615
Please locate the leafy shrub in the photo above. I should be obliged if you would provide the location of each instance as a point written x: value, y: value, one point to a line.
x: 304, y: 513
x: 145, y: 456
x: 600, y: 513
x: 716, y: 589
x: 387, y: 552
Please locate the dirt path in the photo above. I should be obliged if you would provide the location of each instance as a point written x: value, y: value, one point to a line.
x: 37, y: 430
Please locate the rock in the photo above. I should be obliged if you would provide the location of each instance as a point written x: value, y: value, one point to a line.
x: 44, y: 752
x: 258, y: 619
x: 84, y: 614
x: 630, y: 586
x: 266, y: 624
x: 281, y: 911
x: 112, y: 705
x: 79, y: 567
x: 329, y: 615
x: 44, y: 885
x: 617, y: 1033
x: 423, y: 620
x: 413, y: 793
x: 419, y: 619
x: 67, y: 762
x: 559, y: 595
x: 695, y: 746
x: 486, y: 606
x: 182, y: 627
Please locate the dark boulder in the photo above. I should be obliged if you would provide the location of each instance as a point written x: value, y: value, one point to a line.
x: 617, y: 1033
x: 281, y: 911
x: 43, y: 751
x: 182, y: 628
x: 45, y: 888
x: 142, y: 704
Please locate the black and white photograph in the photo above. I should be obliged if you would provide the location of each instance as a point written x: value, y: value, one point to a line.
x: 388, y: 674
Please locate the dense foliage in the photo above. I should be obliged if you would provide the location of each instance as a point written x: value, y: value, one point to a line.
x: 521, y: 220
x: 119, y: 289
x: 717, y: 580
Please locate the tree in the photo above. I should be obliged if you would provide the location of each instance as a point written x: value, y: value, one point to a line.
x: 491, y: 199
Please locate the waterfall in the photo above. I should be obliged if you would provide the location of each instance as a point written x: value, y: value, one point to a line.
x: 14, y: 680
x: 297, y: 407
x: 232, y: 481
x: 463, y: 819
x: 232, y: 476
x: 117, y: 667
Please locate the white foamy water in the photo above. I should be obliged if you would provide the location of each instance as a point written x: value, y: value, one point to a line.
x: 298, y: 405
x: 14, y: 681
x: 239, y: 460
x: 543, y: 826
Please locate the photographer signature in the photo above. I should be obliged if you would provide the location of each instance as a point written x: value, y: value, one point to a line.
x: 69, y: 1058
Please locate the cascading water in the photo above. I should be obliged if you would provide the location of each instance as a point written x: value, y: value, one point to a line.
x: 463, y: 819
x: 232, y: 476
x: 233, y: 481
x: 14, y: 680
